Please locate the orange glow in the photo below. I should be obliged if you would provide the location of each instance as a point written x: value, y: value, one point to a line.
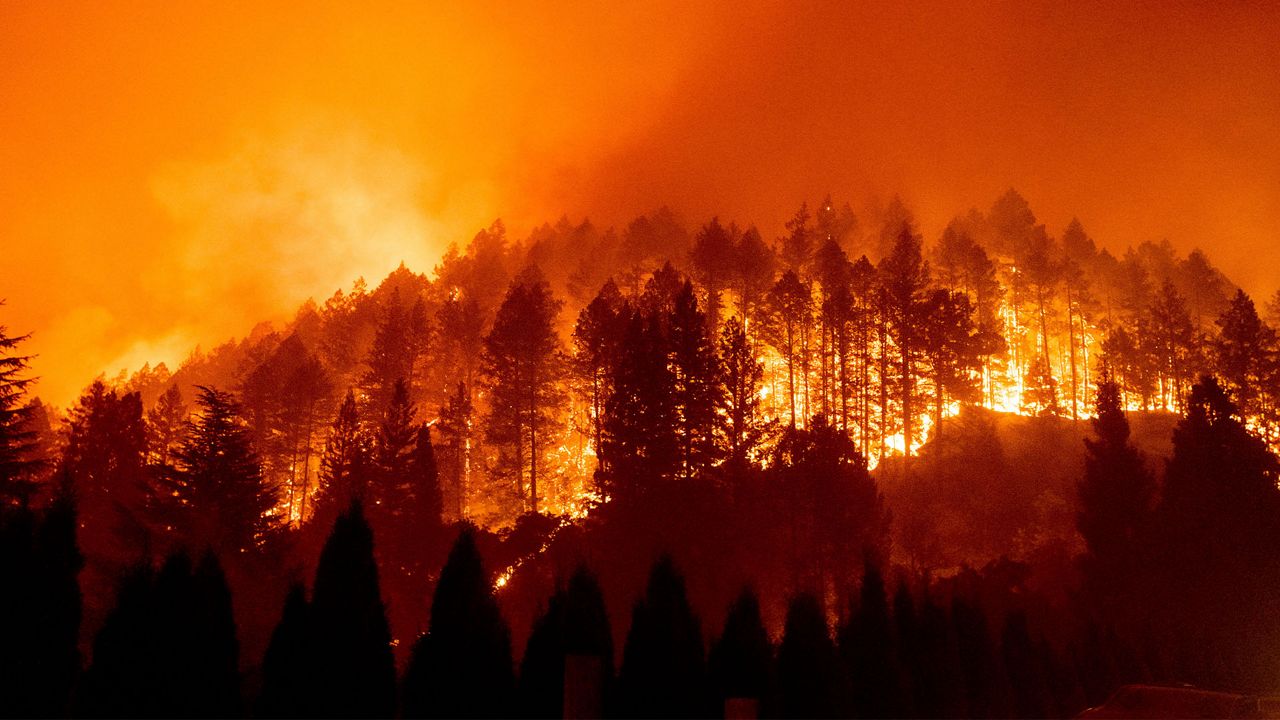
x: 175, y: 172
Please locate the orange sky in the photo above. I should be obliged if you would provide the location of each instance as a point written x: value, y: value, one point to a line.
x: 173, y: 172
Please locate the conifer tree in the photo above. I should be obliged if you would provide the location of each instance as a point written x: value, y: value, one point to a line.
x: 639, y: 436
x: 16, y: 441
x: 866, y: 643
x: 288, y: 680
x: 791, y: 306
x: 225, y: 501
x: 1245, y: 356
x: 662, y: 662
x: 461, y: 667
x: 597, y: 339
x: 345, y: 466
x: 166, y: 424
x: 1116, y: 497
x: 39, y: 654
x: 741, y: 374
x: 697, y: 390
x: 454, y: 455
x: 740, y: 664
x: 522, y: 366
x: 353, y: 671
x: 575, y: 624
x: 904, y: 275
x: 809, y: 671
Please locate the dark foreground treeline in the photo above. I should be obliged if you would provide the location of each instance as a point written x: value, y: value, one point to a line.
x: 169, y: 648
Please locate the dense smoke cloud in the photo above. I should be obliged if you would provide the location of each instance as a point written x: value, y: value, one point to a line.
x: 175, y: 174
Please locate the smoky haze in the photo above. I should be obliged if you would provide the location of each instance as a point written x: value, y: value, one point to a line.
x: 173, y: 174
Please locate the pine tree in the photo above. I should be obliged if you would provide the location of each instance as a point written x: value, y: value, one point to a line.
x: 662, y: 661
x: 352, y: 668
x: 399, y: 341
x: 40, y: 652
x: 345, y: 467
x: 711, y: 258
x: 168, y: 649
x: 740, y: 664
x: 791, y: 306
x: 809, y: 671
x: 522, y: 365
x: 16, y: 441
x: 462, y: 667
x: 574, y: 624
x: 866, y: 643
x: 639, y: 445
x: 166, y: 424
x: 105, y: 459
x: 225, y: 502
x: 904, y: 275
x: 454, y: 426
x: 741, y: 374
x: 597, y: 339
x: 697, y: 391
x: 1217, y: 522
x: 1116, y: 498
x: 288, y: 680
x: 1245, y: 357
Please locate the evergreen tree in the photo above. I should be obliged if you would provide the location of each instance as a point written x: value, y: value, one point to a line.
x: 353, y: 671
x: 1245, y: 356
x: 790, y: 305
x: 522, y: 365
x: 39, y: 639
x: 1024, y: 663
x: 809, y: 671
x: 866, y: 643
x: 574, y: 624
x: 1116, y: 498
x: 740, y: 374
x: 697, y: 390
x: 166, y: 424
x: 752, y: 276
x: 711, y: 258
x: 454, y: 457
x: 346, y: 465
x: 169, y: 647
x: 597, y: 339
x: 740, y: 664
x: 1218, y: 522
x: 461, y: 667
x: 16, y: 441
x: 225, y: 502
x: 662, y: 661
x: 904, y: 275
x: 399, y: 341
x: 639, y: 439
x: 288, y: 680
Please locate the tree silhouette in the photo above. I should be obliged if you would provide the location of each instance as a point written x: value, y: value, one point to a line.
x: 225, y: 500
x: 39, y: 653
x: 662, y: 661
x: 740, y: 664
x: 169, y: 647
x: 16, y: 441
x: 697, y: 391
x: 574, y: 624
x: 288, y: 680
x: 809, y: 671
x: 353, y: 671
x: 866, y: 642
x: 522, y: 366
x: 741, y: 375
x: 1218, y: 522
x: 345, y: 466
x: 1116, y: 498
x: 462, y: 666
